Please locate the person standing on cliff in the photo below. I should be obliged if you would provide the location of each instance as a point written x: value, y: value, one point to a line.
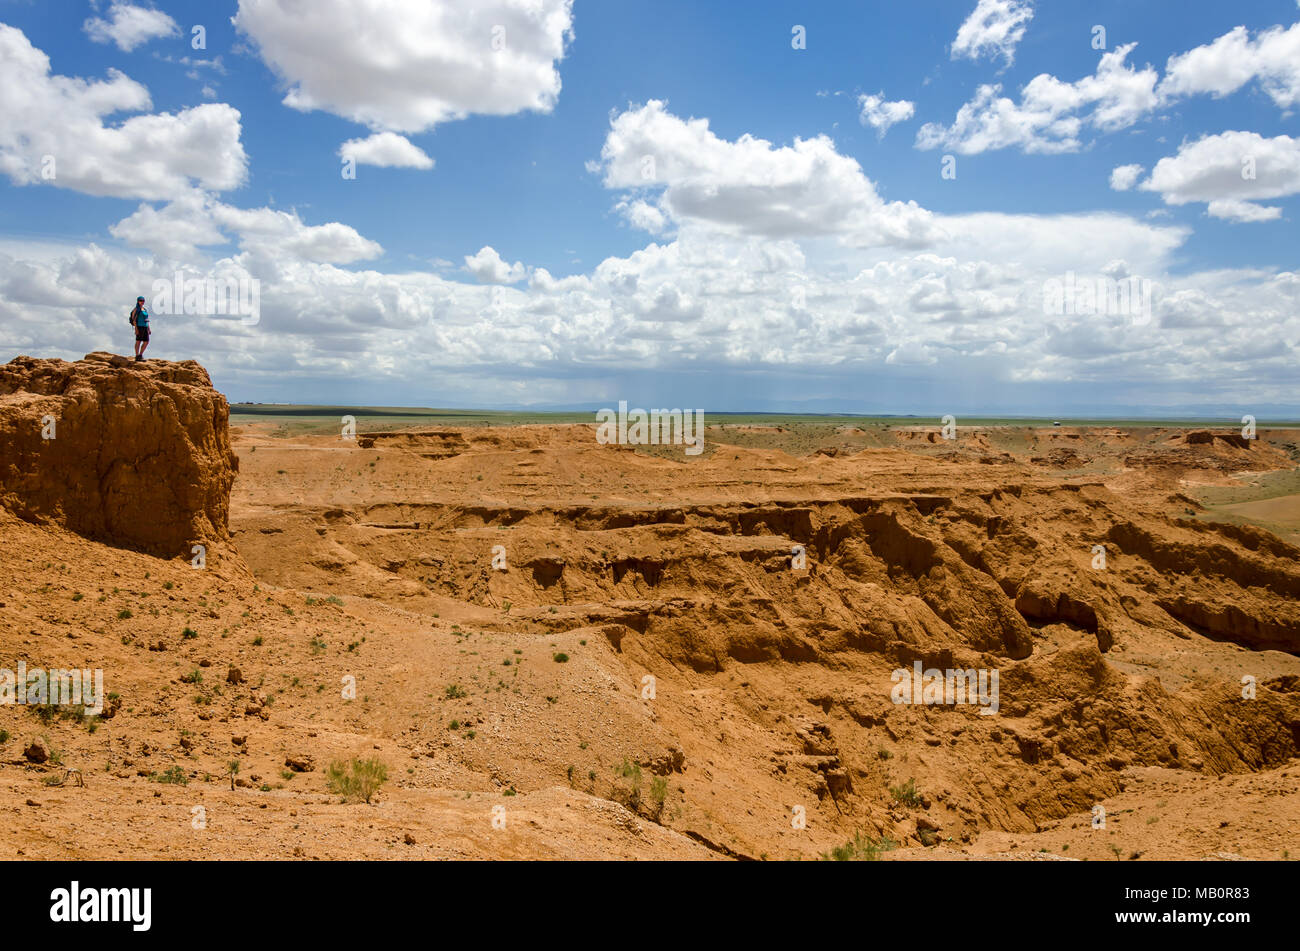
x: 140, y: 321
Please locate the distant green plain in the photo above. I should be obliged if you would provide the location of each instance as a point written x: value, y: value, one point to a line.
x: 304, y: 419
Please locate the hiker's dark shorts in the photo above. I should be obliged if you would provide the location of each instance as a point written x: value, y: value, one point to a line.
x: 142, y: 334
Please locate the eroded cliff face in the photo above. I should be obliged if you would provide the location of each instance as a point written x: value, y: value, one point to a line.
x: 133, y: 454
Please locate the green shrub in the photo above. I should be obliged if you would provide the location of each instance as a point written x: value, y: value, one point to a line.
x: 860, y: 848
x: 357, y: 780
x: 906, y: 793
x: 173, y: 775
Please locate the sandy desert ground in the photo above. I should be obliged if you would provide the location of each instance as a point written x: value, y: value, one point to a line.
x: 652, y: 674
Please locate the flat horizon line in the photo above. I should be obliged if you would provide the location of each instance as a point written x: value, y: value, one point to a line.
x: 321, y: 409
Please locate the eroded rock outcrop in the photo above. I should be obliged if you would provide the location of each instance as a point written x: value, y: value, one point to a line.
x: 134, y: 454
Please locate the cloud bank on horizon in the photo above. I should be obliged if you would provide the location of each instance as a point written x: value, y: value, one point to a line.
x: 415, y: 193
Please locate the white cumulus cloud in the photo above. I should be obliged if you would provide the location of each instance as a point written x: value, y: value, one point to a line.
x: 1233, y: 209
x: 751, y: 186
x: 1051, y: 114
x: 53, y: 131
x: 1222, y: 67
x: 408, y: 65
x: 489, y: 268
x: 1124, y: 177
x: 178, y: 229
x: 129, y: 26
x: 880, y: 113
x: 387, y: 150
x: 1230, y: 171
x: 994, y: 28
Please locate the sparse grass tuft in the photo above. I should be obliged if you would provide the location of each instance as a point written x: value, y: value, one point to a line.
x: 357, y: 780
x: 860, y: 848
x: 173, y: 775
x: 906, y: 794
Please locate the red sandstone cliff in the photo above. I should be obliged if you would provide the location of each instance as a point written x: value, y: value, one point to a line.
x: 134, y: 454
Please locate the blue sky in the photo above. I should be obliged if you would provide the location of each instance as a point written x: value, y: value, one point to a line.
x: 850, y: 277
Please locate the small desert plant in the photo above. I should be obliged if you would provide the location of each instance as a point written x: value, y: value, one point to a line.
x: 189, y: 634
x: 358, y: 779
x: 658, y: 793
x: 560, y: 657
x: 454, y: 692
x: 172, y: 775
x: 631, y: 798
x: 906, y: 794
x: 860, y: 848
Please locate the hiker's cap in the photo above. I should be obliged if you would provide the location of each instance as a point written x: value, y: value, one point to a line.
x: 139, y: 298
